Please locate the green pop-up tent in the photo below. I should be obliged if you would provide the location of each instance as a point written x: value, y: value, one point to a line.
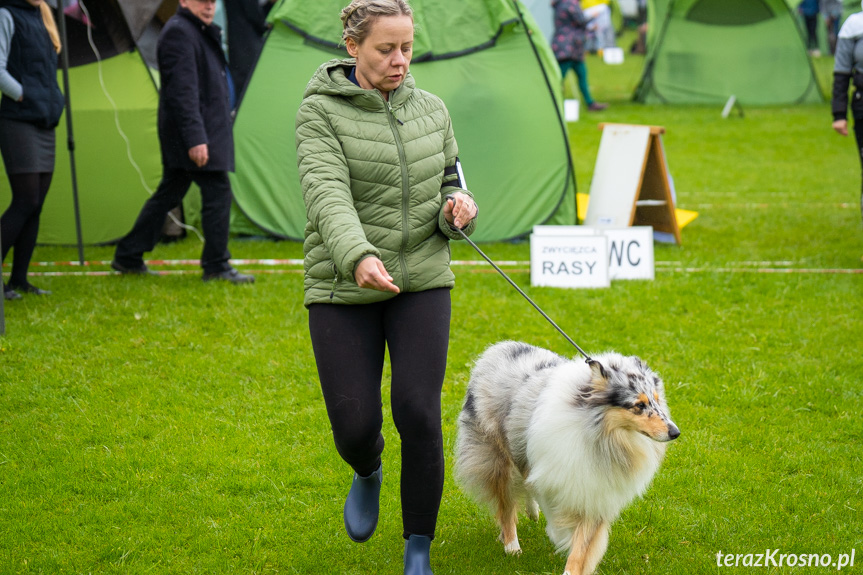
x: 114, y: 99
x: 489, y: 63
x: 705, y: 51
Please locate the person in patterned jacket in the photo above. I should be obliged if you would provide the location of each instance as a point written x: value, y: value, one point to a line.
x: 570, y: 35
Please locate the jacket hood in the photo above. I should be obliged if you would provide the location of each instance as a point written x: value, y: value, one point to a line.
x: 331, y: 79
x: 853, y: 26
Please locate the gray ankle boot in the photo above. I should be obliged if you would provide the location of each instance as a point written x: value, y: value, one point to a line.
x: 417, y: 555
x: 363, y: 505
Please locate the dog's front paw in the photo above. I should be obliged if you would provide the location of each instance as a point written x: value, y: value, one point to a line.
x: 512, y: 548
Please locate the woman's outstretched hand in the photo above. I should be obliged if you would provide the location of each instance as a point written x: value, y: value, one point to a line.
x: 372, y: 274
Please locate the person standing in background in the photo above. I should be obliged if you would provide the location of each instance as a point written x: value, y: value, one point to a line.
x: 600, y: 32
x: 570, y: 34
x: 809, y: 10
x: 848, y: 69
x: 246, y: 22
x: 30, y: 110
x: 197, y: 143
x: 832, y: 12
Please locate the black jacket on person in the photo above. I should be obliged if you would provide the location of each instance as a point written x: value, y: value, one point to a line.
x: 246, y: 21
x: 33, y: 62
x: 194, y: 100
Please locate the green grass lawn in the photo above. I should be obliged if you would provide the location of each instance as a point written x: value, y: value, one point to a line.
x: 163, y: 425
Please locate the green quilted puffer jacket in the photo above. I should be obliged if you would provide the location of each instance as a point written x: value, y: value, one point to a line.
x: 373, y: 181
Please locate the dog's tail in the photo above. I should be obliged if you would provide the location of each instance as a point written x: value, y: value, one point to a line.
x: 479, y: 460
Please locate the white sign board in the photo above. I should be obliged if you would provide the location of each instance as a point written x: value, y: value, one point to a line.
x: 630, y: 250
x: 630, y: 253
x: 617, y: 175
x: 564, y: 231
x: 612, y: 55
x: 568, y: 260
x: 570, y: 110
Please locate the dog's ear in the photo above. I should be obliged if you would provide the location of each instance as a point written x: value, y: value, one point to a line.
x: 599, y: 375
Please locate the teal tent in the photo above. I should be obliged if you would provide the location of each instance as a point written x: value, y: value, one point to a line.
x: 114, y: 100
x: 489, y: 63
x: 705, y: 51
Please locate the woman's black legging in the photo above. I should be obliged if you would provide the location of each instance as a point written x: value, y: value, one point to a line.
x: 19, y: 226
x: 349, y: 342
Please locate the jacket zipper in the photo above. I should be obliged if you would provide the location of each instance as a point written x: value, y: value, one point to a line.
x: 335, y: 281
x: 405, y: 194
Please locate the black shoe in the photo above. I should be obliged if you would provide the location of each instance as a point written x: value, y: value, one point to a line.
x: 362, y: 506
x: 141, y: 270
x: 28, y: 288
x: 417, y: 555
x: 10, y: 294
x: 230, y: 275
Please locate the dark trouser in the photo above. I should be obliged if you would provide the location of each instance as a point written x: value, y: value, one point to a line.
x: 19, y: 226
x: 811, y: 31
x: 215, y: 218
x: 858, y: 135
x: 833, y: 23
x: 349, y: 343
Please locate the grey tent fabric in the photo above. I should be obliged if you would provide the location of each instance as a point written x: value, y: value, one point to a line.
x: 139, y: 14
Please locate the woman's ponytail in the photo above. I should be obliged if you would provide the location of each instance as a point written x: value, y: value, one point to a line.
x: 51, y: 26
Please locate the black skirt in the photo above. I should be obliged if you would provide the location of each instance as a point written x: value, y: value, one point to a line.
x: 26, y: 148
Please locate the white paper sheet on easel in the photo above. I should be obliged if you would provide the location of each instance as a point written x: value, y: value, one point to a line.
x: 617, y: 176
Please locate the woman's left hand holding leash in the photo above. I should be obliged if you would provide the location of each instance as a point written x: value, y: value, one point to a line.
x: 459, y: 209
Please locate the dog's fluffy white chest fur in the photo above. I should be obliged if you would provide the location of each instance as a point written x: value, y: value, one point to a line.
x: 577, y: 466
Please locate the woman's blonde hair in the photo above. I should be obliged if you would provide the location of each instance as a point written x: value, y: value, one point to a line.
x: 51, y: 26
x: 358, y: 16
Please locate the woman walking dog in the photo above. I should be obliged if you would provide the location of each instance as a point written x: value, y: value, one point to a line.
x: 29, y: 111
x: 377, y: 157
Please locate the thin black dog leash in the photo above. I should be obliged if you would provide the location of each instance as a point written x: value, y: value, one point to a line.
x: 518, y: 289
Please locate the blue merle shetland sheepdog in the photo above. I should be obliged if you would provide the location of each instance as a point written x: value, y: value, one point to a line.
x: 577, y: 440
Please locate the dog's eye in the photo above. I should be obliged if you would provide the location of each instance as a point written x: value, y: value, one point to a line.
x: 639, y: 406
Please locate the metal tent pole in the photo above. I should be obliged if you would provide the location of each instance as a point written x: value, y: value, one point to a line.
x: 70, y: 141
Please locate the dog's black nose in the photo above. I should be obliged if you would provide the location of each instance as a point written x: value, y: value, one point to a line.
x: 673, y: 432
